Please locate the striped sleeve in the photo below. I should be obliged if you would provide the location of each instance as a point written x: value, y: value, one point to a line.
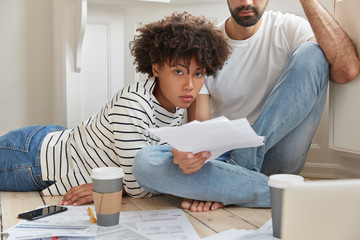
x: 130, y: 117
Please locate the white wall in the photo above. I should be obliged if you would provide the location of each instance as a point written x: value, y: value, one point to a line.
x: 26, y: 74
x: 100, y: 73
x: 26, y: 77
x: 134, y: 16
x: 25, y: 63
x: 321, y: 161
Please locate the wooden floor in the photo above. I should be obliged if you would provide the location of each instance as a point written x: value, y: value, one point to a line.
x: 205, y: 223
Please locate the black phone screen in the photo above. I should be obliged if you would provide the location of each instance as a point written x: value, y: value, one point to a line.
x: 42, y: 212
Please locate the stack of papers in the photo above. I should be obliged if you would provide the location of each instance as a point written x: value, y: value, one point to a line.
x: 171, y: 224
x: 71, y: 223
x: 75, y: 223
x: 217, y: 135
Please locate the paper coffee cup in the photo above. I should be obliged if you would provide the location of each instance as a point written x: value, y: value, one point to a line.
x: 277, y: 183
x: 107, y: 193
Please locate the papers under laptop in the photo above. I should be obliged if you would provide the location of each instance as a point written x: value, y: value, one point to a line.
x: 318, y: 210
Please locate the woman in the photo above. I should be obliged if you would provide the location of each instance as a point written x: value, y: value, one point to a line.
x: 176, y: 53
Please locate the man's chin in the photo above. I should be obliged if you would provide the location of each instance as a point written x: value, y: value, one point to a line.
x: 247, y: 21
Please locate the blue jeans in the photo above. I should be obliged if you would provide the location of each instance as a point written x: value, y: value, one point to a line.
x: 20, y: 168
x: 288, y: 121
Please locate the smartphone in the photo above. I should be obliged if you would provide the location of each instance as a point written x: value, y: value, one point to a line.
x: 42, y: 212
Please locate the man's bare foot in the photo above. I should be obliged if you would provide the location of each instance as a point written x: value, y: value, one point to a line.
x: 200, y: 206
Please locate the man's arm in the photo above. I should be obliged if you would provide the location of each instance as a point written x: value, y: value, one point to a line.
x: 336, y: 44
x: 200, y: 108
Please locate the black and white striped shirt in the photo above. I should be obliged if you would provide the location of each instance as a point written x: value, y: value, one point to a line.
x: 110, y: 138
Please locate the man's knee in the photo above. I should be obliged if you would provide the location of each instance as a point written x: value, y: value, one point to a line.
x: 308, y: 60
x: 310, y: 55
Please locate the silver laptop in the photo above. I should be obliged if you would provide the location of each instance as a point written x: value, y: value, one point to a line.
x: 318, y: 210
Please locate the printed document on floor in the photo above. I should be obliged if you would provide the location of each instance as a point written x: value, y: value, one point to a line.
x: 170, y: 224
x: 75, y: 223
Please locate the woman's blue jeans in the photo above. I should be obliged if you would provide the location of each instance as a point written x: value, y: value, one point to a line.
x: 20, y: 168
x: 288, y: 121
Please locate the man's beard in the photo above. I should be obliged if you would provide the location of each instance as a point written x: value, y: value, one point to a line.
x: 246, y: 21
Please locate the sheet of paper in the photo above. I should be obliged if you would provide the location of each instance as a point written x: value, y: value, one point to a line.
x: 217, y: 135
x: 266, y: 228
x: 169, y: 224
x: 231, y: 234
x: 103, y: 233
x: 263, y: 233
x: 73, y: 223
x: 140, y: 225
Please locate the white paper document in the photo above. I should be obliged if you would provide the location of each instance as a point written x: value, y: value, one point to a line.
x: 217, y: 135
x: 75, y: 224
x: 263, y: 233
x: 160, y: 224
x: 72, y: 224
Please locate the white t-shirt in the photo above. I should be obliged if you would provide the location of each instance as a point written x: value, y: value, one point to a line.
x: 242, y: 86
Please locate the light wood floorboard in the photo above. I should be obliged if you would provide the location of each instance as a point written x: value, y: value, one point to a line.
x: 205, y: 223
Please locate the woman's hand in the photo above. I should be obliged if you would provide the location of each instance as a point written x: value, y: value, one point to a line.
x: 189, y: 162
x: 79, y: 195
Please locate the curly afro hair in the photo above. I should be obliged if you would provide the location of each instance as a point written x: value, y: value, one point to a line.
x: 180, y: 36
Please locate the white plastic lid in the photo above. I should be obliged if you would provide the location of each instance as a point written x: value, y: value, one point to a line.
x: 106, y: 173
x: 285, y: 180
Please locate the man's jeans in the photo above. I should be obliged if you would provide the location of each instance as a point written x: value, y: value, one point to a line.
x: 20, y: 168
x: 288, y: 121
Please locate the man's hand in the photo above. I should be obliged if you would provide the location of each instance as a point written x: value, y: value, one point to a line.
x: 189, y: 162
x: 79, y: 195
x: 200, y: 206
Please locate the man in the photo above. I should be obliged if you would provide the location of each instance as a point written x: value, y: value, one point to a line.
x: 277, y: 78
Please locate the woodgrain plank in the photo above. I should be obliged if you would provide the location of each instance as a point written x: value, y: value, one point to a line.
x: 219, y: 220
x: 51, y: 200
x: 13, y: 203
x: 256, y: 217
x: 153, y: 203
x: 127, y: 205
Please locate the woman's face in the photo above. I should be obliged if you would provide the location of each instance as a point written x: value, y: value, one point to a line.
x: 177, y: 85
